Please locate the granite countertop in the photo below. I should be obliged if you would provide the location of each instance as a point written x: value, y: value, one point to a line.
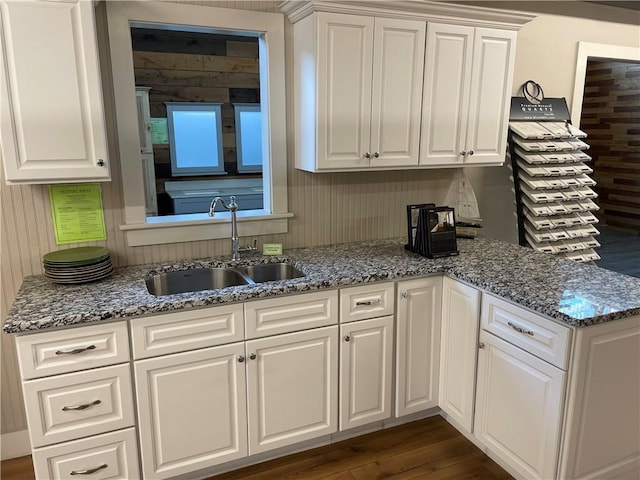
x: 576, y: 294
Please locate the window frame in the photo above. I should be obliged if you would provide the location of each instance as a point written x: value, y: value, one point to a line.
x: 181, y: 171
x: 238, y: 108
x: 269, y: 28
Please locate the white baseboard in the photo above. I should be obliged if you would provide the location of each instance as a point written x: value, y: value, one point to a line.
x: 14, y: 444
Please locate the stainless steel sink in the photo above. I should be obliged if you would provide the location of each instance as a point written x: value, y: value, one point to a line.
x: 195, y: 280
x: 269, y: 272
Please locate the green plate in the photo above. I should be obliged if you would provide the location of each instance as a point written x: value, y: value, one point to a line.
x: 76, y: 255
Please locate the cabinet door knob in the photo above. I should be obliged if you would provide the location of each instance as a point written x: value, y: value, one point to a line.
x: 481, y: 345
x: 252, y: 356
x: 463, y: 153
x: 405, y: 294
x: 367, y: 155
x: 347, y: 338
x: 100, y: 162
x: 376, y: 155
x: 471, y: 152
x: 240, y: 358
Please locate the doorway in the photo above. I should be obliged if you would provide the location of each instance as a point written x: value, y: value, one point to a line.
x: 609, y: 114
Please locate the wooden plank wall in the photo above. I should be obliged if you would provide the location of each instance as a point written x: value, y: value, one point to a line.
x: 611, y: 118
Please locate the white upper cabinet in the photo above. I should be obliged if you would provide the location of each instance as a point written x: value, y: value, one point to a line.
x: 357, y: 85
x: 51, y: 111
x: 467, y: 91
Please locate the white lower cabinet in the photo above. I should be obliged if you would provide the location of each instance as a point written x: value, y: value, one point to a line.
x: 292, y: 391
x: 366, y: 358
x: 417, y: 344
x: 111, y: 456
x: 460, y: 317
x: 191, y: 410
x: 519, y: 402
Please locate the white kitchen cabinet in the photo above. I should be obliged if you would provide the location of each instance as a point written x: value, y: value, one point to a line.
x: 357, y: 88
x: 417, y: 344
x: 79, y: 404
x: 51, y: 108
x: 601, y: 430
x: 110, y: 456
x: 292, y: 391
x: 366, y: 359
x: 467, y: 90
x: 459, y: 337
x: 146, y: 150
x: 191, y: 410
x: 519, y: 402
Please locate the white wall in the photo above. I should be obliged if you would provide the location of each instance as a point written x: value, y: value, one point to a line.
x: 546, y: 52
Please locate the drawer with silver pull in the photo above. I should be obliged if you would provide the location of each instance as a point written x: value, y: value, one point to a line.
x: 111, y: 456
x: 79, y: 404
x: 366, y: 301
x: 70, y: 350
x: 537, y: 335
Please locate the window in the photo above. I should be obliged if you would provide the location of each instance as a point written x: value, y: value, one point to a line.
x: 268, y: 28
x: 195, y: 138
x: 248, y: 128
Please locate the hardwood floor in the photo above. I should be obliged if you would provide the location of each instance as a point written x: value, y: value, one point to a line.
x: 428, y: 449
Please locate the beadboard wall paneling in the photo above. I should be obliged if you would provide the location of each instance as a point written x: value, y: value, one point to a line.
x: 328, y: 208
x: 611, y: 118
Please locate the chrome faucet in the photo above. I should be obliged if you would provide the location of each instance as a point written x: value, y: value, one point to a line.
x: 235, y: 241
x: 233, y: 208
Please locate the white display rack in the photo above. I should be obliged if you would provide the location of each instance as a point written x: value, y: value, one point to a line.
x: 553, y: 189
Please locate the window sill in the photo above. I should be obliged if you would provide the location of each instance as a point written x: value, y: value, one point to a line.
x: 194, y: 227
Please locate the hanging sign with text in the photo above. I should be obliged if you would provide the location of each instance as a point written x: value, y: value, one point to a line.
x: 549, y: 109
x: 77, y: 213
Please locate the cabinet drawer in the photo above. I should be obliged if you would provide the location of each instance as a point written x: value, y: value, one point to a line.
x: 289, y: 314
x: 533, y: 333
x: 79, y: 404
x: 112, y: 456
x: 186, y: 330
x: 62, y: 351
x: 367, y: 301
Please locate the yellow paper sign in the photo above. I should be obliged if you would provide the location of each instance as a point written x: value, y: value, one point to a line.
x: 77, y: 212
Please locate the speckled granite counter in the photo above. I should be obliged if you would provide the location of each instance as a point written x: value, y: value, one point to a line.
x: 573, y: 293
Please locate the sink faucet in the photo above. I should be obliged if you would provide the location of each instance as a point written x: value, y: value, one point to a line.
x: 235, y: 241
x: 233, y: 208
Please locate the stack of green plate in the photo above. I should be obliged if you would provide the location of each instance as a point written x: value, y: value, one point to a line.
x: 77, y: 265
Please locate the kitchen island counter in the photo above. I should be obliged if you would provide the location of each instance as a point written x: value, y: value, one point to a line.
x: 573, y: 293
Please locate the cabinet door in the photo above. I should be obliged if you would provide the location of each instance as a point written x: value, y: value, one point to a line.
x: 366, y: 356
x: 491, y: 84
x: 447, y: 85
x: 398, y: 61
x: 418, y: 344
x: 51, y: 107
x: 518, y: 407
x: 292, y: 388
x: 345, y: 56
x: 191, y: 410
x: 460, y: 317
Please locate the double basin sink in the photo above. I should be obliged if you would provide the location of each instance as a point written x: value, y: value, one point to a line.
x: 197, y: 279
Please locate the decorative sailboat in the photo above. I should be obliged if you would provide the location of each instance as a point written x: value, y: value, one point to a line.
x: 463, y: 199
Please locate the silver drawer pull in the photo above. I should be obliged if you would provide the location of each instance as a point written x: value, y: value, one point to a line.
x: 84, y: 406
x: 368, y: 302
x: 75, y: 351
x: 520, y: 329
x: 89, y: 471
